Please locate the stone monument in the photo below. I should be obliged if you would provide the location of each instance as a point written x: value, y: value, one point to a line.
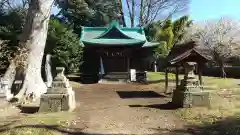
x: 5, y: 91
x: 190, y: 93
x: 60, y: 96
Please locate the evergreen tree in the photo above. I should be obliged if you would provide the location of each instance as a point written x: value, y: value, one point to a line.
x: 90, y: 12
x: 179, y: 27
x: 151, y: 30
x: 166, y: 34
x: 11, y: 25
x: 64, y: 46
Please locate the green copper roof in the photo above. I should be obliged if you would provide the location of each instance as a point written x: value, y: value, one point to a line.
x: 112, y: 42
x: 112, y: 35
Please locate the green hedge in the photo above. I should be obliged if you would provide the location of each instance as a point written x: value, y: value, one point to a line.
x: 232, y: 72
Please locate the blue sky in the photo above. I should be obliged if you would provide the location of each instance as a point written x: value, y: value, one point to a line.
x: 211, y: 9
x: 201, y: 10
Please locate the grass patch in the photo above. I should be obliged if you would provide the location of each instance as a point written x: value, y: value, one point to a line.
x: 153, y: 76
x: 225, y: 100
x: 75, y: 84
x: 38, y: 124
x: 216, y: 82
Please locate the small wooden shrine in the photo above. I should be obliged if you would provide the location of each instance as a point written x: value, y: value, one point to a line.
x: 191, y: 51
x: 190, y: 92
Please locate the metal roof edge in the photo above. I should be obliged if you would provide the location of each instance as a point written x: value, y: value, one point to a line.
x: 94, y: 43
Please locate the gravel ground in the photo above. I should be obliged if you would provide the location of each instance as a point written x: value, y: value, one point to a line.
x: 116, y: 109
x: 102, y: 109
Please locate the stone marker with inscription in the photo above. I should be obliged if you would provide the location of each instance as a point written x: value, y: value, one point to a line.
x: 59, y: 97
x: 190, y: 93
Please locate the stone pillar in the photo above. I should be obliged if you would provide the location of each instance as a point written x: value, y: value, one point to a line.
x: 155, y: 66
x: 5, y: 91
x: 48, y: 70
x: 60, y: 97
x: 189, y: 93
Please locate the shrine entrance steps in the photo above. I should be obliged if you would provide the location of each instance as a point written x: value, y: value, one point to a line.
x: 115, y: 78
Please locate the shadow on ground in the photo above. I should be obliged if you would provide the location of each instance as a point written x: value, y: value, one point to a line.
x: 74, y: 78
x: 139, y: 94
x: 29, y: 109
x: 227, y: 126
x: 166, y: 106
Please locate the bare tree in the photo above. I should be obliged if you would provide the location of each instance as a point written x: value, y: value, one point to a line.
x: 221, y: 36
x: 13, y: 4
x: 131, y: 11
x: 28, y: 60
x: 146, y: 11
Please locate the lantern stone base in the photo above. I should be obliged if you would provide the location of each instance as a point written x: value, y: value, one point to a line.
x: 194, y: 98
x: 51, y: 102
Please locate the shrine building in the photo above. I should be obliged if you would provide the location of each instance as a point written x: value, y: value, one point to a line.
x: 110, y: 52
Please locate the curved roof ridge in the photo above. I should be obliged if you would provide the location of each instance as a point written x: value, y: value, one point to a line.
x: 117, y: 27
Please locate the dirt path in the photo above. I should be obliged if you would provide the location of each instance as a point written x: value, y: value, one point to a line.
x: 124, y: 109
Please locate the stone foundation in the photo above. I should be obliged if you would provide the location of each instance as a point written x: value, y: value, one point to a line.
x: 57, y: 102
x: 191, y: 99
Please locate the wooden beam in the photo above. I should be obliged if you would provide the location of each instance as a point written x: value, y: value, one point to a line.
x: 200, y: 74
x: 166, y: 80
x: 177, y: 76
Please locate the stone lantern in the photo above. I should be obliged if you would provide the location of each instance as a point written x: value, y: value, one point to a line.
x: 60, y: 97
x: 189, y: 93
x: 189, y: 76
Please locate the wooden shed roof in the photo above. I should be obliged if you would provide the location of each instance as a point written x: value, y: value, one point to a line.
x: 180, y: 53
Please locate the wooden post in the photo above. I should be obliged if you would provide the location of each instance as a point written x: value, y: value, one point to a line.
x: 128, y: 67
x: 166, y: 80
x: 128, y: 64
x: 200, y: 75
x: 177, y: 78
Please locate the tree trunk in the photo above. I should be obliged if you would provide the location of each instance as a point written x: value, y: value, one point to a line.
x: 223, y: 73
x: 48, y: 70
x: 141, y: 14
x: 148, y: 12
x: 9, y: 75
x: 122, y: 14
x: 34, y: 38
x: 166, y: 81
x: 133, y: 13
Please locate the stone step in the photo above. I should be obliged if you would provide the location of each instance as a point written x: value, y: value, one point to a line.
x: 113, y: 81
x: 116, y: 75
